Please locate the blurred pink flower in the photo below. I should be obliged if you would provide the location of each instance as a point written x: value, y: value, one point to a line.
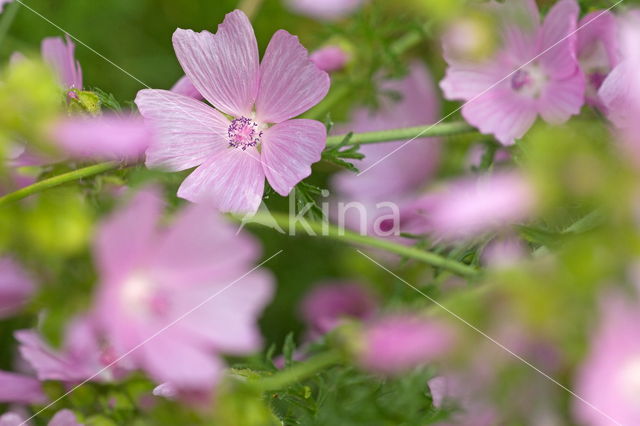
x: 61, y: 418
x: 330, y: 58
x: 185, y: 87
x: 326, y: 305
x: 598, y: 51
x: 471, y: 206
x: 107, y: 137
x: 234, y: 157
x: 470, y: 407
x: 61, y: 56
x: 396, y: 343
x: 610, y: 376
x: 152, y: 281
x: 325, y: 9
x: 552, y: 86
x: 19, y: 389
x: 81, y: 357
x: 16, y: 287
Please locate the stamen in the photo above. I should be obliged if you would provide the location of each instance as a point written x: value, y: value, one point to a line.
x: 243, y: 133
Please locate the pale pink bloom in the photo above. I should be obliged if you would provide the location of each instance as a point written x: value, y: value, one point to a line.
x: 154, y: 281
x: 107, y: 137
x: 61, y: 418
x: 3, y: 3
x: 598, y: 51
x: 82, y: 356
x: 325, y: 9
x: 551, y: 86
x: 472, y: 206
x: 330, y: 58
x: 396, y: 343
x: 470, y: 407
x: 19, y: 389
x: 234, y: 156
x: 326, y: 305
x: 609, y: 378
x: 61, y: 56
x: 16, y: 287
x: 185, y: 87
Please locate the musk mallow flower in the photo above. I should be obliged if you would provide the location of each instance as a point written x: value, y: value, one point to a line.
x: 60, y: 55
x: 551, y: 86
x: 260, y: 139
x: 175, y: 298
x: 396, y: 343
x: 16, y: 287
x: 61, y: 418
x: 609, y: 378
x: 598, y: 51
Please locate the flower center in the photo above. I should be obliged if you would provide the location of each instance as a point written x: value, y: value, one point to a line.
x: 142, y: 297
x: 596, y: 79
x: 244, y: 132
x: 528, y: 81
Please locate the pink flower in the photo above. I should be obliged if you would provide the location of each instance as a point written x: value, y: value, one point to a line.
x: 234, y: 156
x: 597, y: 51
x: 176, y: 298
x: 16, y: 287
x: 185, y: 87
x: 81, y: 357
x: 330, y: 58
x: 19, y: 389
x: 470, y: 207
x: 62, y: 418
x: 108, y: 137
x: 325, y: 9
x: 551, y: 86
x: 394, y: 344
x: 325, y: 306
x: 61, y: 56
x: 610, y: 376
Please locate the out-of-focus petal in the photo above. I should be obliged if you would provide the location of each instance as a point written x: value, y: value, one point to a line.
x: 231, y: 181
x: 16, y: 287
x: 61, y: 56
x: 559, y: 39
x: 186, y: 132
x: 19, y: 389
x: 288, y: 151
x: 330, y: 58
x: 561, y: 99
x: 224, y: 67
x: 290, y: 83
x: 325, y: 9
x: 64, y: 418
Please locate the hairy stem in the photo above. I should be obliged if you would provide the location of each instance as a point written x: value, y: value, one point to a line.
x: 298, y: 372
x: 291, y: 225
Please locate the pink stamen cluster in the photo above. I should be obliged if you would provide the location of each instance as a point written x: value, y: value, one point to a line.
x: 243, y: 133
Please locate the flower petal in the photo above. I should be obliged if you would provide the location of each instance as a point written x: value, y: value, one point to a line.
x: 232, y: 181
x: 288, y: 151
x: 61, y: 57
x: 290, y: 83
x: 19, y: 389
x: 562, y: 98
x: 64, y: 418
x: 618, y: 94
x: 224, y: 67
x: 501, y: 112
x: 559, y: 38
x: 185, y: 87
x: 187, y: 131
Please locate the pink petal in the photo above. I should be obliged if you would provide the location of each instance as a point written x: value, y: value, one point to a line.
x: 168, y: 359
x: 47, y: 364
x: 64, y: 418
x: 11, y: 419
x: 187, y: 132
x: 61, y: 57
x: 19, y: 389
x: 232, y: 181
x: 463, y: 82
x: 16, y: 287
x: 330, y: 58
x: 501, y: 112
x: 124, y: 239
x: 231, y: 313
x: 520, y: 21
x: 561, y: 21
x: 288, y: 151
x: 290, y: 83
x: 200, y: 246
x: 325, y: 9
x: 618, y: 94
x: 224, y: 67
x: 108, y: 137
x: 185, y: 87
x: 561, y: 99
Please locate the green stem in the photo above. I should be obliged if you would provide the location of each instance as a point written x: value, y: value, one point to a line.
x: 293, y: 225
x: 443, y: 129
x: 298, y: 372
x: 57, y: 181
